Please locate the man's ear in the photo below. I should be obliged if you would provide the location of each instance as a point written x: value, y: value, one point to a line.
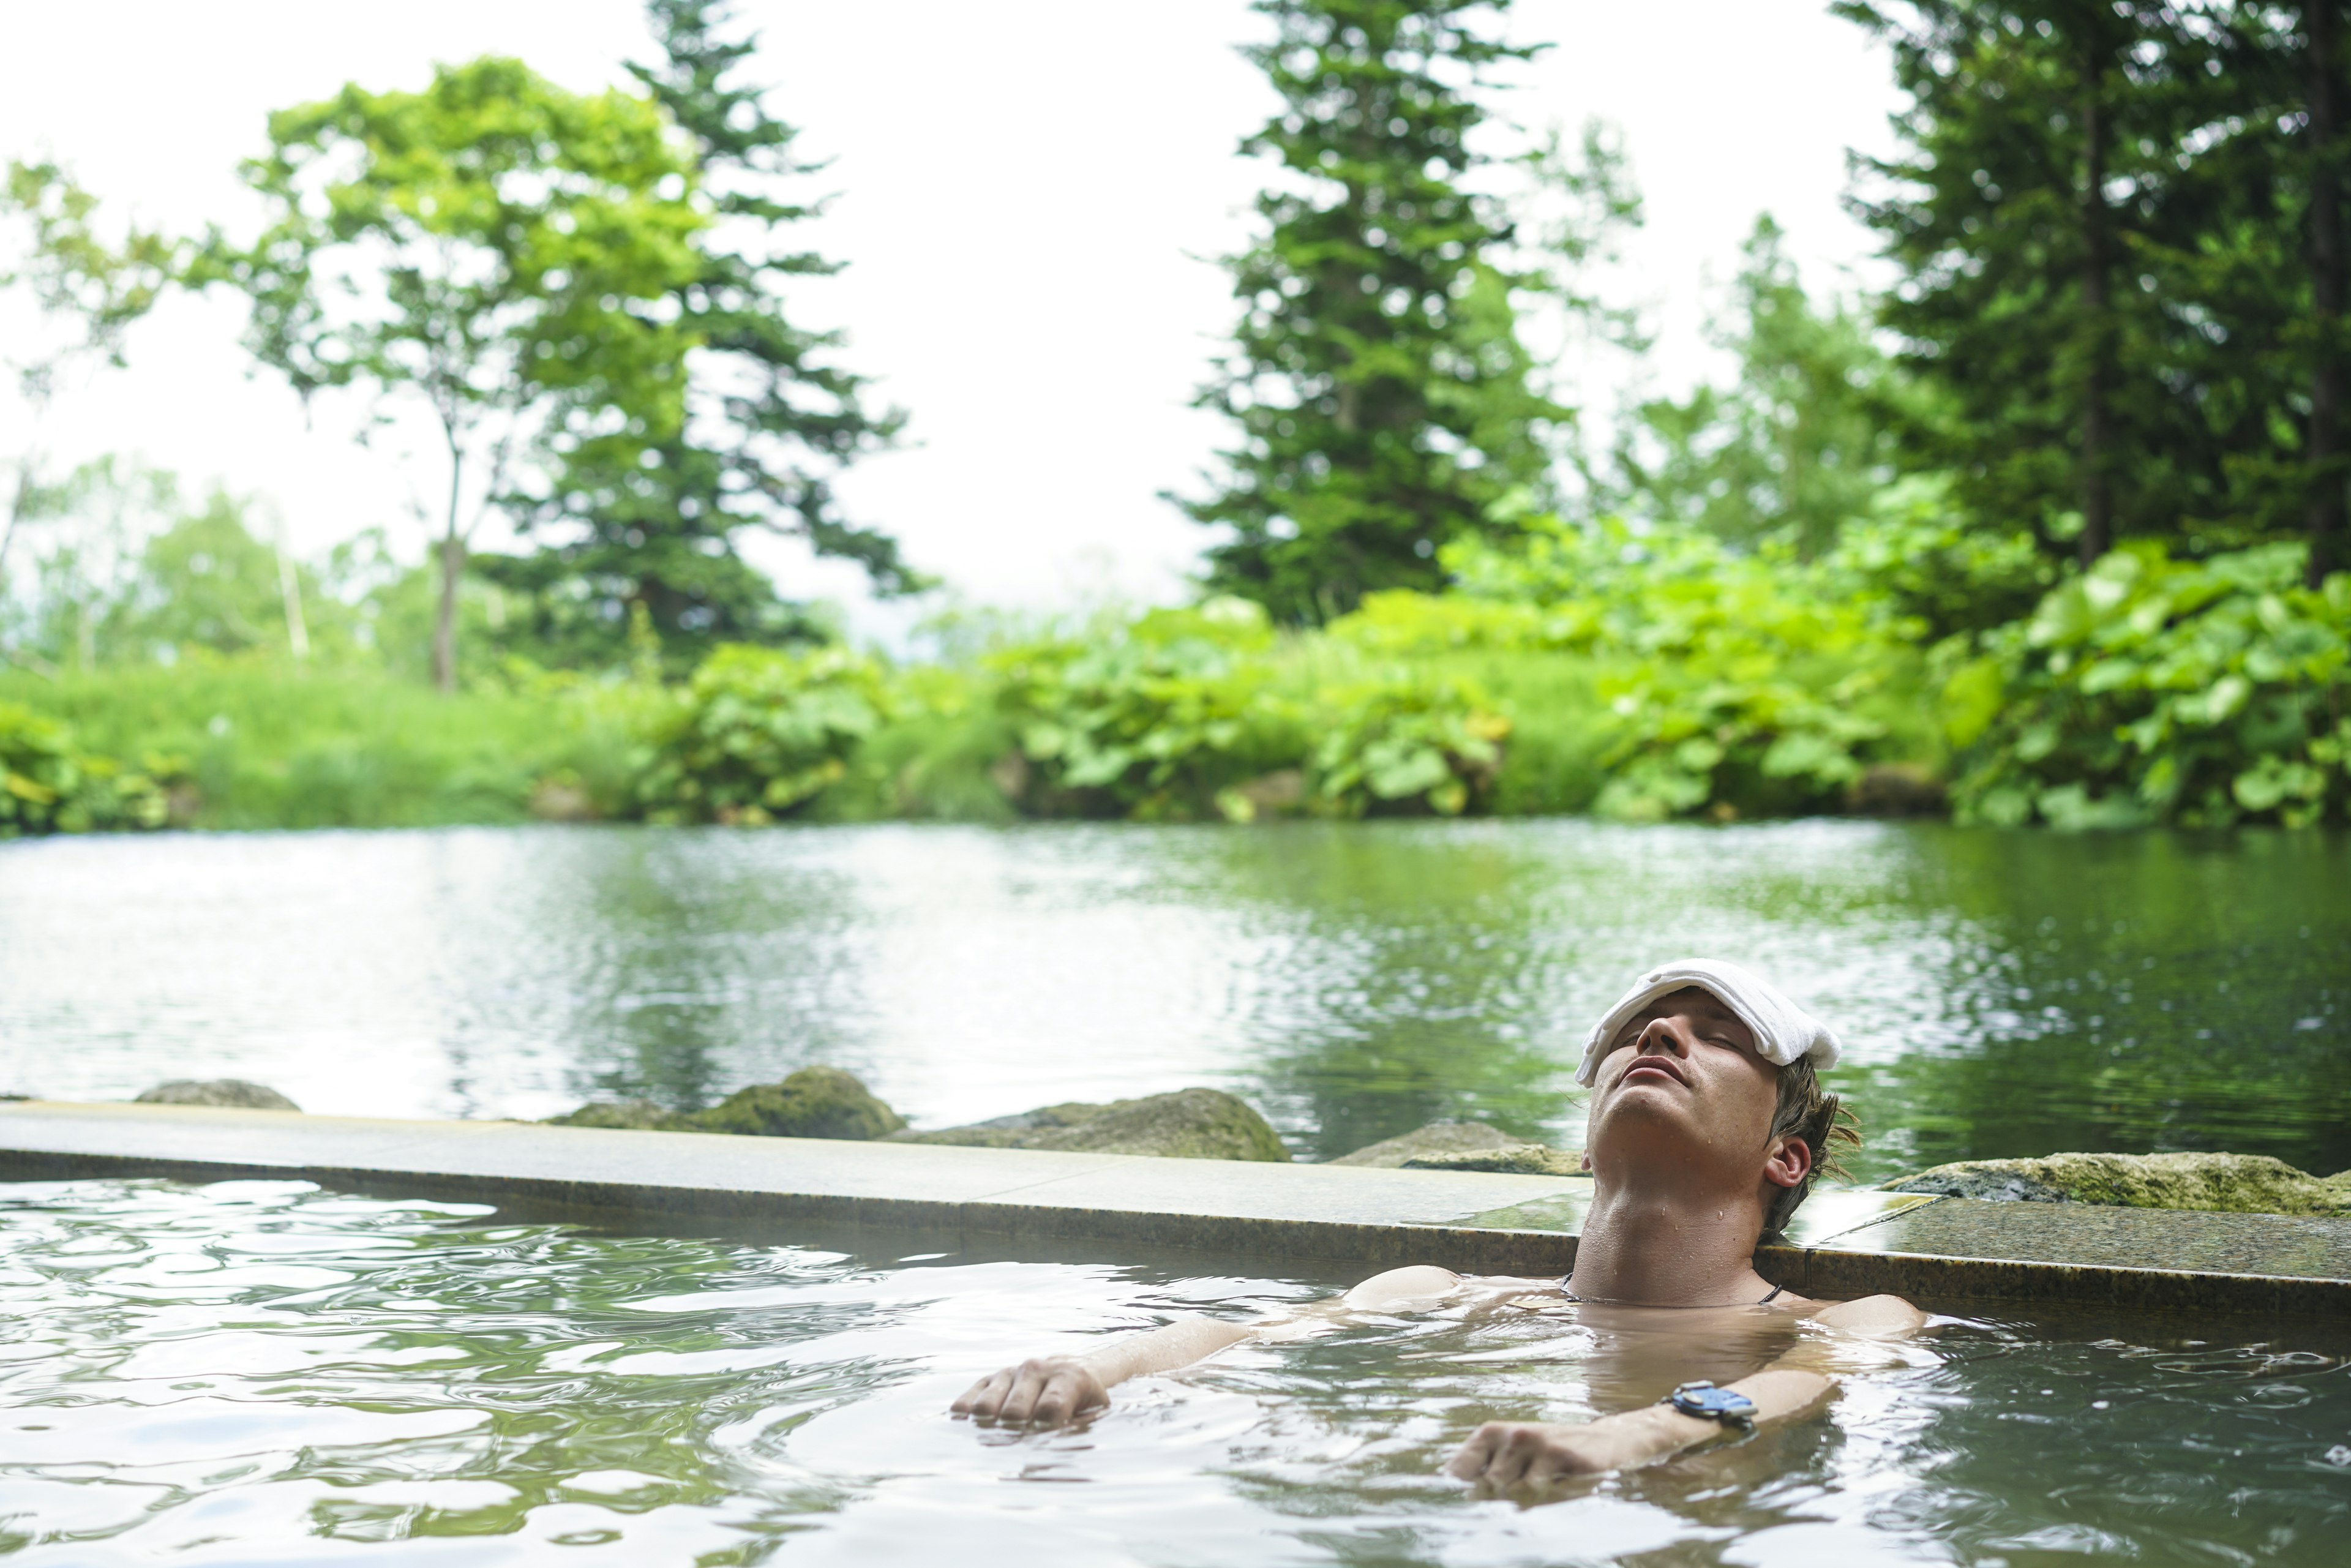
x: 1788, y: 1161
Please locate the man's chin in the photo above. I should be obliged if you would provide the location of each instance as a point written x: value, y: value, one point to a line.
x: 1658, y: 1109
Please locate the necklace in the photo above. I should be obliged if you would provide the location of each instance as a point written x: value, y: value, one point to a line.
x: 1584, y: 1301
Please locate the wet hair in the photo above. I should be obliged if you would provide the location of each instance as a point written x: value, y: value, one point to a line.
x: 1820, y: 1119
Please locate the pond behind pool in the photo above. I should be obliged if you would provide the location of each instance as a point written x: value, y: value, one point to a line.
x: 2001, y: 993
x: 255, y: 1372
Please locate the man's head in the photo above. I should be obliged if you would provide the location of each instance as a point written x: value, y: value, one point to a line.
x: 1711, y: 1085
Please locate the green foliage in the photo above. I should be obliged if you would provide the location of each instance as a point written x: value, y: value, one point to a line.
x: 1154, y: 720
x: 2151, y: 689
x: 1376, y: 375
x: 758, y: 733
x: 1198, y: 713
x: 650, y: 517
x: 1412, y: 739
x: 265, y: 744
x: 1742, y: 685
x: 1935, y: 564
x: 49, y: 785
x: 2104, y: 212
x: 494, y: 245
x: 1800, y: 446
x: 76, y: 275
x: 86, y: 292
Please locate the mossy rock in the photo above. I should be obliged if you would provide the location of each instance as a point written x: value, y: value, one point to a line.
x: 1190, y: 1124
x: 635, y: 1115
x: 814, y: 1102
x: 1514, y: 1159
x: 2226, y: 1184
x: 234, y: 1093
x: 1435, y: 1138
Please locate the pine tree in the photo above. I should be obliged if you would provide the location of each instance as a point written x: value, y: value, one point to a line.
x: 2039, y: 213
x: 1800, y: 445
x: 1377, y: 374
x: 653, y: 513
x: 2267, y: 285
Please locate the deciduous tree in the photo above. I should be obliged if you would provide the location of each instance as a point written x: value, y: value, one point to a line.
x: 85, y: 292
x: 495, y: 247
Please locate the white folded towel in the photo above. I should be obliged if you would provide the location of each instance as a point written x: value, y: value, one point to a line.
x: 1783, y: 1032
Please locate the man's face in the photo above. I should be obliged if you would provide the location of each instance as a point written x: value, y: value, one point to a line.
x: 1682, y: 1083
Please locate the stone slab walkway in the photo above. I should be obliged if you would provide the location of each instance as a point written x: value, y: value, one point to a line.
x: 1843, y: 1243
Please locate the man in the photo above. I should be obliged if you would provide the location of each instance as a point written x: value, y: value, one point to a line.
x: 1706, y: 1125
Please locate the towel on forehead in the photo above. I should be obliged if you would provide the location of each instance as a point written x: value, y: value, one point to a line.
x: 1783, y: 1032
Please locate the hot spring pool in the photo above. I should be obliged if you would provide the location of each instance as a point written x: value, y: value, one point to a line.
x: 264, y: 1372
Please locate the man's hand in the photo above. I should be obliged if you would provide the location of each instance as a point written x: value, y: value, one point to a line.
x: 1504, y: 1454
x: 1050, y: 1392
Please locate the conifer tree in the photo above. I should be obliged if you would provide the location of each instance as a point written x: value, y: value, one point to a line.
x: 653, y: 515
x: 2037, y: 211
x: 2267, y: 285
x: 1376, y: 375
x: 1800, y: 443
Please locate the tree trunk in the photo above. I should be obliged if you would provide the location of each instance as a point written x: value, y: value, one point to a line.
x: 444, y: 623
x: 453, y: 562
x: 290, y: 600
x: 2326, y: 493
x: 2097, y: 497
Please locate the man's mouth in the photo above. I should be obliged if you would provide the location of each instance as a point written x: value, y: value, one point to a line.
x: 1663, y: 1067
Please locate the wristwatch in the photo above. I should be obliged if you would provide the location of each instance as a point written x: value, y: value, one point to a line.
x: 1708, y: 1403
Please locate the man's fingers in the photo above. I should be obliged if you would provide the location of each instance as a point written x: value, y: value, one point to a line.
x: 1518, y: 1452
x: 1470, y: 1460
x: 1058, y: 1402
x: 985, y: 1397
x: 1028, y: 1387
x: 1046, y: 1393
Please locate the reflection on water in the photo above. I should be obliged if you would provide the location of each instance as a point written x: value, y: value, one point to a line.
x: 2005, y: 993
x: 259, y: 1372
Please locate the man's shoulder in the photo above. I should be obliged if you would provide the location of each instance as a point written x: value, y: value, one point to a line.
x: 1873, y: 1317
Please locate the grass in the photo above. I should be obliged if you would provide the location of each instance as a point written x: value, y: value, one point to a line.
x: 262, y: 745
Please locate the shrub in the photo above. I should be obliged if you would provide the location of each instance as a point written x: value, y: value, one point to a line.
x: 1156, y: 720
x: 48, y: 785
x: 758, y: 733
x: 1410, y: 740
x: 2149, y: 689
x: 1738, y: 684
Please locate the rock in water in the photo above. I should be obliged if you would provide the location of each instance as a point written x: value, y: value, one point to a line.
x: 1435, y: 1138
x: 1514, y: 1159
x: 2228, y: 1184
x: 636, y: 1116
x: 814, y: 1102
x: 234, y: 1093
x: 1190, y: 1124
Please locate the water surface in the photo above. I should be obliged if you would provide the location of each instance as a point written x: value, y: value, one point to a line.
x: 2001, y: 993
x: 250, y: 1373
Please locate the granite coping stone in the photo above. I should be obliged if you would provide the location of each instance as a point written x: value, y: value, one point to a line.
x: 1842, y: 1243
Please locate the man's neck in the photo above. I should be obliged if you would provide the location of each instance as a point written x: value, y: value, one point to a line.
x: 1667, y: 1248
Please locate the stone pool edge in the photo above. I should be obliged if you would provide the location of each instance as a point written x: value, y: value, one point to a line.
x: 1850, y: 1244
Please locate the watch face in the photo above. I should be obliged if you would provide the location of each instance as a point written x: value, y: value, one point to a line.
x: 1707, y: 1400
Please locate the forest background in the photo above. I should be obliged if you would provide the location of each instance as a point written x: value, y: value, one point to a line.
x: 2050, y: 530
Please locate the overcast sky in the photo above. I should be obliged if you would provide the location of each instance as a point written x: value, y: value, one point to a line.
x: 1025, y: 194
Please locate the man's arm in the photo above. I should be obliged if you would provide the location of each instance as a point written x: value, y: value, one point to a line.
x: 1050, y: 1390
x: 1510, y: 1453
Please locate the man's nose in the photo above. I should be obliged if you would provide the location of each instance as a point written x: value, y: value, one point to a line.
x: 1661, y: 1035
